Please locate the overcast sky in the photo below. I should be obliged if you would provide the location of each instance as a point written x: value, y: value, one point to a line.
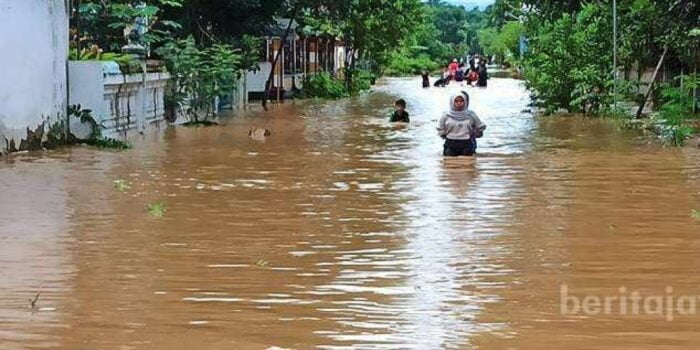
x: 469, y: 4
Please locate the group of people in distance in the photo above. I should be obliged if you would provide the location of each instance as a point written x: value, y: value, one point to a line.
x: 475, y: 73
x: 459, y: 126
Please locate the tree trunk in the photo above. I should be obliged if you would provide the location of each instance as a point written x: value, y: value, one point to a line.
x: 651, y: 83
x: 295, y: 9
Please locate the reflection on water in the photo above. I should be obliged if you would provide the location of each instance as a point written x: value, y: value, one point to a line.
x: 340, y: 231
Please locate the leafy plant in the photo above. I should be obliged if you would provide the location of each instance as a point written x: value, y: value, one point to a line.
x: 362, y: 82
x: 676, y: 111
x: 157, y: 209
x: 323, y: 85
x: 201, y: 75
x: 95, y: 138
x: 405, y: 63
x: 94, y: 53
x: 568, y: 63
x: 103, y: 22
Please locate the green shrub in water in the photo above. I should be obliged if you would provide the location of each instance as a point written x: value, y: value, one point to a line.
x: 695, y: 214
x: 675, y: 114
x: 361, y: 81
x: 324, y: 85
x: 157, y: 209
x: 404, y: 64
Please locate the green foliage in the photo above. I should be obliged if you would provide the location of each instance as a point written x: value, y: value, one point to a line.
x: 250, y: 52
x: 503, y: 43
x: 362, y: 81
x: 107, y: 143
x: 215, y: 21
x: 372, y: 30
x: 57, y: 135
x: 122, y: 185
x: 157, y: 209
x: 569, y: 62
x: 202, y: 75
x: 695, y: 214
x: 95, y: 138
x: 675, y: 114
x: 404, y: 63
x: 103, y: 23
x: 445, y: 32
x: 96, y: 54
x: 324, y: 85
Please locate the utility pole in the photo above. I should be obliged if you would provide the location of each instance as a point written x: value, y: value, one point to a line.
x: 614, y: 54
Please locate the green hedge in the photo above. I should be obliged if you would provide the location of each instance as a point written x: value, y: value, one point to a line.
x: 324, y: 85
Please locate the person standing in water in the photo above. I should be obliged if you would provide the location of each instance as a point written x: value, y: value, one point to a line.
x: 452, y: 68
x: 483, y: 74
x: 426, y: 79
x: 460, y: 127
x: 400, y: 115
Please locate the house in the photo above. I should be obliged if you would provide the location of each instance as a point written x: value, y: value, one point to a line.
x: 305, y: 52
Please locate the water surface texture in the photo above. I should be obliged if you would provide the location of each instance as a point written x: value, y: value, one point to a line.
x: 341, y: 231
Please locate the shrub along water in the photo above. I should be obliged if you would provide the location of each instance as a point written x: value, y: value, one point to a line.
x: 324, y: 85
x: 675, y: 119
x: 202, y: 74
x: 57, y: 134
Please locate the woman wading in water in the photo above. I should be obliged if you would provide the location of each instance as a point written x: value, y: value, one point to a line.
x: 460, y: 127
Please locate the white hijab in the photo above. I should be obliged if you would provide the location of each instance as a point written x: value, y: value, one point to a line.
x: 455, y: 114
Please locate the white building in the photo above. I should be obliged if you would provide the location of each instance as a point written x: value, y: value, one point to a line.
x: 34, y: 46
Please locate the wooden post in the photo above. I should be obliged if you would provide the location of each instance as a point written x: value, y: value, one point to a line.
x: 280, y: 69
x: 695, y: 76
x: 294, y: 62
x: 293, y: 16
x: 305, y: 56
x: 651, y: 83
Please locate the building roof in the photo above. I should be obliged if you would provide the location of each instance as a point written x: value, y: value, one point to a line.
x: 280, y: 26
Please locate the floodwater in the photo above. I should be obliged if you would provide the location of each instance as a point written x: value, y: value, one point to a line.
x: 340, y: 231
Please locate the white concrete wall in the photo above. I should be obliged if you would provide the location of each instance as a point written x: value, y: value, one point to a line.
x: 256, y: 80
x: 34, y: 49
x: 118, y: 102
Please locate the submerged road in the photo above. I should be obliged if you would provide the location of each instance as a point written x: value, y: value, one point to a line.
x: 341, y: 231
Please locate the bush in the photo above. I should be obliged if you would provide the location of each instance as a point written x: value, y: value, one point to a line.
x: 202, y: 74
x: 568, y: 62
x: 401, y: 64
x: 675, y: 113
x: 362, y: 80
x: 323, y: 85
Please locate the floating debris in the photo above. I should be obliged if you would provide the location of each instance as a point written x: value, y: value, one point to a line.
x: 157, y: 209
x: 259, y: 134
x: 32, y: 302
x: 122, y: 185
x: 695, y: 214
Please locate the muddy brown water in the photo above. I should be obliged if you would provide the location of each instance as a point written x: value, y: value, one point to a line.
x: 343, y: 232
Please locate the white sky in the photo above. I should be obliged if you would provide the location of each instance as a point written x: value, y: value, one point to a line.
x: 469, y: 4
